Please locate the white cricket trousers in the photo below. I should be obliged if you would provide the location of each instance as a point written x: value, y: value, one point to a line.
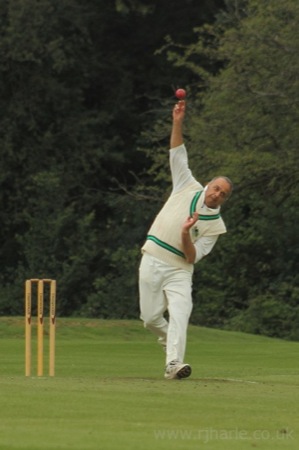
x: 163, y: 287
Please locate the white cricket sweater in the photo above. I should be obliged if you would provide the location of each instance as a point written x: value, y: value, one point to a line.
x: 164, y: 237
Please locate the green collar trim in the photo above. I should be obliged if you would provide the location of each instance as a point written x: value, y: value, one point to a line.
x: 214, y: 217
x: 194, y: 202
x: 201, y: 216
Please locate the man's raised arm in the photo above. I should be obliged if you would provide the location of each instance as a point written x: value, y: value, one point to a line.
x: 178, y: 114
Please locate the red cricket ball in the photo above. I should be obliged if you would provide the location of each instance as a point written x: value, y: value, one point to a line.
x: 180, y: 94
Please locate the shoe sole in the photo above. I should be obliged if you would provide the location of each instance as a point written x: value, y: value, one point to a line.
x: 184, y: 372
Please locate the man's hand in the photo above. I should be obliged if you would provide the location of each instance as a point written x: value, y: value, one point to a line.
x: 188, y: 247
x: 178, y: 112
x: 189, y: 222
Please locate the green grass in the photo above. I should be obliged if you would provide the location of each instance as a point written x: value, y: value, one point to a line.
x: 109, y: 392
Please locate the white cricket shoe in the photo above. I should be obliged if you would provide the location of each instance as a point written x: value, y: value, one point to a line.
x: 177, y: 370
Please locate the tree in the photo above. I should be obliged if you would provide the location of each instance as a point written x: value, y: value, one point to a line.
x: 244, y: 124
x: 78, y: 80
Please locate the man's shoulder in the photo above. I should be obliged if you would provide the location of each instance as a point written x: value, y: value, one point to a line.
x: 211, y: 225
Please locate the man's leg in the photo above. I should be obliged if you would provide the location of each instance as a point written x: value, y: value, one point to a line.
x: 152, y: 298
x: 178, y: 291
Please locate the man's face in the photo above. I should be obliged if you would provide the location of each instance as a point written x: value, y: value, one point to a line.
x: 217, y: 193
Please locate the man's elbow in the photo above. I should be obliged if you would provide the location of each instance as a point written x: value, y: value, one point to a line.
x: 190, y: 259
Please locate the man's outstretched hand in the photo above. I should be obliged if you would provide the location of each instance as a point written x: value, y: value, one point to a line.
x: 178, y: 112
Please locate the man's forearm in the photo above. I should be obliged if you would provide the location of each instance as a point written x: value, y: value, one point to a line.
x: 176, y: 137
x: 187, y: 244
x: 188, y: 247
x: 178, y: 114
